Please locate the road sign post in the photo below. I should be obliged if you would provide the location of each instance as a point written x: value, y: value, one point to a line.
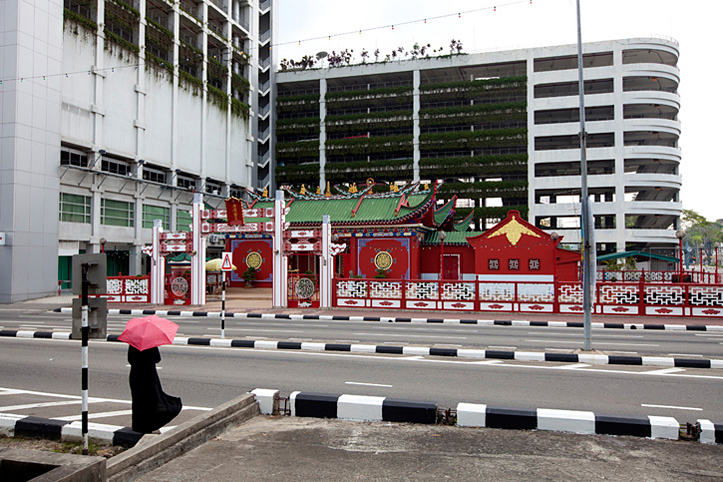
x: 226, y: 265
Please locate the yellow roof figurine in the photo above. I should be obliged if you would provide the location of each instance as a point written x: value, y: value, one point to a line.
x: 303, y: 190
x: 266, y: 192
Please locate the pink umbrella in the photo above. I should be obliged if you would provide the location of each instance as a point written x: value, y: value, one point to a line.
x: 149, y: 332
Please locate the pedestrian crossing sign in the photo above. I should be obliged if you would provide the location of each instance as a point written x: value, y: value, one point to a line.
x: 226, y: 264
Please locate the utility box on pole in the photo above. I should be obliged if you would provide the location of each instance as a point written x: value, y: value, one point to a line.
x: 95, y: 266
x: 97, y: 318
x: 97, y: 273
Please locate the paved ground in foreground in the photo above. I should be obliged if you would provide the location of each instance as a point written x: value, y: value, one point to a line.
x: 267, y: 448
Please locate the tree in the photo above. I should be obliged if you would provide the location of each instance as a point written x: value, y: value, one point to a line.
x: 700, y: 233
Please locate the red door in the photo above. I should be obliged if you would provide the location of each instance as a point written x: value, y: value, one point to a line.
x: 451, y: 267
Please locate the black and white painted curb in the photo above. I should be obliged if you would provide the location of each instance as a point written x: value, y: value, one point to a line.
x: 393, y: 319
x: 65, y: 431
x: 590, y: 359
x: 368, y: 408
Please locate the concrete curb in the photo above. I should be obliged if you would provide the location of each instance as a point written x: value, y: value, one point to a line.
x: 591, y: 359
x: 65, y: 431
x: 155, y: 450
x: 710, y: 432
x: 368, y: 408
x: 392, y: 319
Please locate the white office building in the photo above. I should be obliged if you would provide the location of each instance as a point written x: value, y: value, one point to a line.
x: 113, y: 115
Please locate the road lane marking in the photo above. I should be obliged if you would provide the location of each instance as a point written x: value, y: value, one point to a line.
x: 597, y: 343
x: 683, y: 354
x: 256, y: 330
x: 406, y: 335
x: 27, y: 406
x: 671, y: 406
x: 369, y: 384
x: 574, y: 366
x: 665, y: 371
x: 577, y: 335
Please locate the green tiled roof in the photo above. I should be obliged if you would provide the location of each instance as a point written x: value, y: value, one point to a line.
x: 464, y: 224
x: 443, y: 213
x: 372, y: 207
x: 453, y: 238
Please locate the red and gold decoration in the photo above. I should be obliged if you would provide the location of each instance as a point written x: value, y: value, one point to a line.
x: 235, y: 211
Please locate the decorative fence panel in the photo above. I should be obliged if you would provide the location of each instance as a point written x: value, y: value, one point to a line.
x: 128, y: 289
x: 616, y: 298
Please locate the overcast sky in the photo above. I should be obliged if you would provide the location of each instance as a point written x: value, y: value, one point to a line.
x: 695, y: 24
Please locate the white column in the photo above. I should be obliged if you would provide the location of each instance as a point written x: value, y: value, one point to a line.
x: 322, y: 133
x: 158, y: 264
x: 415, y: 127
x: 280, y: 267
x: 325, y: 285
x: 198, y: 257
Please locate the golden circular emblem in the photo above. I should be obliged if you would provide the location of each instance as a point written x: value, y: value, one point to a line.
x: 383, y: 260
x: 254, y: 260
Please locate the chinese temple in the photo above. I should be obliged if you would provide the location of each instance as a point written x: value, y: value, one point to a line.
x: 401, y: 233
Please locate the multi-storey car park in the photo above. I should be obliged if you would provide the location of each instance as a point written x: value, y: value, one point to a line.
x: 501, y: 129
x: 115, y: 113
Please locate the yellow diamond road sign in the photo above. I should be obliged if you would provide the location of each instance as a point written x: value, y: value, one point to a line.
x: 226, y: 264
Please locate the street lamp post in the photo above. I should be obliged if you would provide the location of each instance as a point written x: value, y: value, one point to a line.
x: 555, y: 239
x: 680, y: 234
x: 588, y: 239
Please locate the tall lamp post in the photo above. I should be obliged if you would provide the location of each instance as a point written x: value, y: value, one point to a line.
x: 588, y: 243
x: 555, y: 236
x: 442, y: 237
x: 680, y: 234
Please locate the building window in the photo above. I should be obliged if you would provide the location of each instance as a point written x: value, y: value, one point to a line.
x: 74, y: 208
x: 183, y: 220
x: 513, y: 264
x: 154, y: 174
x: 156, y: 212
x: 534, y: 265
x: 115, y: 166
x: 185, y: 182
x: 69, y: 157
x: 116, y: 213
x: 493, y: 264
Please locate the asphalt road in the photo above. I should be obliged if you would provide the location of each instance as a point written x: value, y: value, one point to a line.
x: 208, y: 376
x: 680, y: 344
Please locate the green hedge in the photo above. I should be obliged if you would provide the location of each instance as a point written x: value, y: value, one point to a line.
x: 477, y: 85
x: 298, y: 174
x: 240, y: 109
x: 477, y: 190
x: 468, y: 166
x: 79, y: 19
x: 491, y: 212
x: 478, y: 113
x: 304, y: 126
x: 354, y: 123
x: 473, y: 140
x: 351, y: 172
x: 371, y: 145
x: 367, y: 93
x: 297, y: 150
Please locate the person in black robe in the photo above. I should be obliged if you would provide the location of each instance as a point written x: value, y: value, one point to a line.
x: 151, y: 407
